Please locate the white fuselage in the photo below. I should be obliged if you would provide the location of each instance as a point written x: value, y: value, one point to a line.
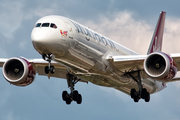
x: 85, y: 53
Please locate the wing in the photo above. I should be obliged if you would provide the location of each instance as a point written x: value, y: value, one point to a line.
x: 176, y: 58
x: 126, y: 63
x: 2, y: 61
x: 39, y: 65
x: 135, y: 62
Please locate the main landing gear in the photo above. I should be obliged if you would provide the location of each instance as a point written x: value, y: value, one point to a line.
x: 142, y: 93
x: 48, y: 68
x: 74, y: 95
x: 71, y: 79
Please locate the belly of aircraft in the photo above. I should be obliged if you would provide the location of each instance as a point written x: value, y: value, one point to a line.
x: 86, y: 63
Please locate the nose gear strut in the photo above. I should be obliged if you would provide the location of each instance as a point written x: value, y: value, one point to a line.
x: 49, y: 68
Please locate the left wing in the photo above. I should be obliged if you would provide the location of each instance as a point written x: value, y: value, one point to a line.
x: 136, y: 62
x: 176, y: 58
x: 128, y: 62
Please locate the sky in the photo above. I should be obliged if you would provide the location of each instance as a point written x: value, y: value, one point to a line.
x: 130, y: 23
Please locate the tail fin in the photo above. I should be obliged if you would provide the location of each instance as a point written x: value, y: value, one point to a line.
x: 156, y: 42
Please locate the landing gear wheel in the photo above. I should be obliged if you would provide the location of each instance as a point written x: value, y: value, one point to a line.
x: 64, y: 95
x: 75, y: 95
x: 79, y: 99
x: 68, y: 101
x: 46, y: 69
x: 147, y: 98
x: 134, y: 95
x: 52, y: 69
x: 133, y: 91
x: 136, y: 99
x: 49, y: 68
x: 142, y: 93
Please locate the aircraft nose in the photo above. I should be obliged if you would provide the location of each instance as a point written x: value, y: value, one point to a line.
x: 38, y: 36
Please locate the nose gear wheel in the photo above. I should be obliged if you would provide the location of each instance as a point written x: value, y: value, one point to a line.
x: 49, y: 68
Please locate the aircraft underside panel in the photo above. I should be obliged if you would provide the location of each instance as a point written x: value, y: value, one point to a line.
x: 124, y: 85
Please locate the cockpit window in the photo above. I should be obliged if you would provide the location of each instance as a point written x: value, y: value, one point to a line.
x: 38, y: 25
x: 45, y: 25
x: 53, y: 25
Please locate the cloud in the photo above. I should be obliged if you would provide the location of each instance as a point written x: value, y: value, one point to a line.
x: 136, y: 34
x: 23, y: 44
x: 14, y: 13
x: 172, y: 35
x: 124, y: 29
x: 10, y: 116
x: 6, y: 94
x: 10, y: 17
x: 116, y: 93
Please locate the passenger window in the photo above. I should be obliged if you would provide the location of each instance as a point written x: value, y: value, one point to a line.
x: 45, y: 25
x: 38, y: 25
x: 53, y: 25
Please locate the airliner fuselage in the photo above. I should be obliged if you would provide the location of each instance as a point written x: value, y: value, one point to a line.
x: 76, y: 53
x: 85, y: 53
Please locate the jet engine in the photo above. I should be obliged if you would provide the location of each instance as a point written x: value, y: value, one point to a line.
x: 160, y: 66
x: 18, y: 71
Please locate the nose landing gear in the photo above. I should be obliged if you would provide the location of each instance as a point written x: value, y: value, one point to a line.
x: 48, y: 68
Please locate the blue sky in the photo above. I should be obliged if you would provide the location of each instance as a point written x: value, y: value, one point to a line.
x: 129, y: 22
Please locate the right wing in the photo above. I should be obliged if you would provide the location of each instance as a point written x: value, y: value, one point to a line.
x: 39, y: 65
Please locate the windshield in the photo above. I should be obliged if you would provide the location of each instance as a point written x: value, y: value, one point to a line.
x: 52, y: 25
x: 45, y: 25
x: 38, y: 25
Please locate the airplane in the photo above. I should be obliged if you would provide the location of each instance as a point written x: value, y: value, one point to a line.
x: 76, y: 53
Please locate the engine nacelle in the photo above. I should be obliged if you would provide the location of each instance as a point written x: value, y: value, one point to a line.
x: 18, y: 71
x: 160, y: 66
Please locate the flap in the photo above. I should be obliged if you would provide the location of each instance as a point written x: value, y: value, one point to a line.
x: 176, y: 58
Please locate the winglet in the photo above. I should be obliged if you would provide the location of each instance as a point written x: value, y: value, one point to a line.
x: 156, y: 42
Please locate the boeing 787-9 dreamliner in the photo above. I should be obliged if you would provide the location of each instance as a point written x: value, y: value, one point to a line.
x: 76, y: 53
